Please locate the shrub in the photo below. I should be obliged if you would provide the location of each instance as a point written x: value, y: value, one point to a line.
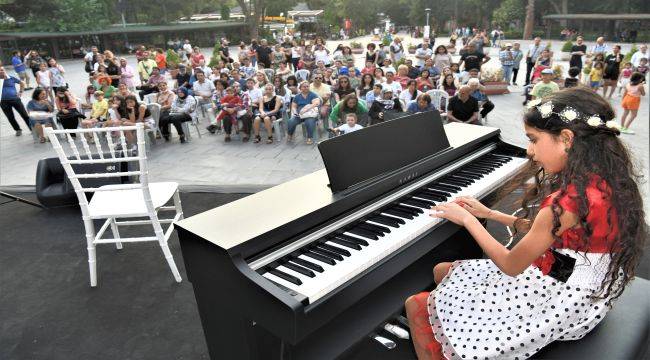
x: 215, y: 55
x: 628, y: 56
x: 567, y: 46
x: 356, y: 45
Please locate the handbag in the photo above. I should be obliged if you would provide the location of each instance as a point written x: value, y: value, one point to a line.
x: 311, y: 113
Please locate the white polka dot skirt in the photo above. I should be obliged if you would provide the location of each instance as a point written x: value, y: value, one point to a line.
x: 478, y: 312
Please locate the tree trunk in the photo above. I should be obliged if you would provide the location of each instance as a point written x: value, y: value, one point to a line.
x: 530, y: 20
x: 251, y: 16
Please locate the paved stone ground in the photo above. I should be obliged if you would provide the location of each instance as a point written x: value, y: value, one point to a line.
x: 209, y: 163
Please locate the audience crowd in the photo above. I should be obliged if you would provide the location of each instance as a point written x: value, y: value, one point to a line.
x: 304, y: 83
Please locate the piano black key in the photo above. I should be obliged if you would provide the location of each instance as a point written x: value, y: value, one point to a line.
x: 468, y: 175
x: 379, y: 228
x: 477, y: 175
x: 364, y: 226
x: 429, y: 196
x: 447, y: 188
x: 327, y: 253
x: 483, y: 169
x: 497, y: 159
x: 461, y: 178
x: 307, y: 264
x: 436, y: 192
x: 395, y: 212
x: 334, y: 249
x: 416, y: 202
x: 427, y: 201
x: 488, y: 163
x: 456, y: 182
x: 352, y: 239
x: 285, y: 276
x: 505, y: 157
x: 363, y: 233
x: 388, y: 220
x: 319, y: 257
x: 412, y: 210
x: 345, y: 243
x: 299, y: 269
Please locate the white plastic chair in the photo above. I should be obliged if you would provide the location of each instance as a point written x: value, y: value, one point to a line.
x: 150, y: 98
x: 195, y: 122
x: 438, y: 98
x: 302, y: 75
x: 110, y: 202
x: 154, y: 109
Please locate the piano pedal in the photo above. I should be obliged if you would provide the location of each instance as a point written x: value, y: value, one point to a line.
x: 402, y: 320
x: 385, y: 342
x: 397, y: 331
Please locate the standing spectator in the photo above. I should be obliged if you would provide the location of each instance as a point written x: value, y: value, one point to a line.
x: 112, y: 67
x: 442, y: 59
x: 396, y: 49
x: 304, y: 109
x: 197, y: 58
x: 578, y: 50
x: 637, y: 56
x: 596, y: 75
x: 463, y: 107
x: 57, y: 74
x: 321, y: 53
x: 534, y: 51
x: 473, y: 59
x: 600, y: 47
x: 145, y: 68
x: 34, y: 62
x: 422, y: 54
x: 161, y: 61
x: 631, y: 101
x: 44, y: 80
x: 296, y: 54
x: 91, y: 58
x: 519, y: 55
x: 612, y: 70
x: 263, y: 53
x: 544, y: 87
x: 507, y: 58
x: 10, y: 100
x: 187, y: 48
x: 20, y: 68
x: 127, y: 75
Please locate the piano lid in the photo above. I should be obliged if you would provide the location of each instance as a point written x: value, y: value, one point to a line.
x: 362, y: 155
x: 233, y: 224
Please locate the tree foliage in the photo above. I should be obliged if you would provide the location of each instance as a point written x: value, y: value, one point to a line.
x: 508, y: 12
x: 69, y: 15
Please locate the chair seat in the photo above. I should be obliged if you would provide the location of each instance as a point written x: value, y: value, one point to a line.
x: 130, y: 202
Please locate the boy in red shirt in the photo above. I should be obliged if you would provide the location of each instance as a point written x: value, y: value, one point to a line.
x: 229, y: 106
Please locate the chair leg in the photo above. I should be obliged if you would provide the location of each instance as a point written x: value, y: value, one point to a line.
x: 198, y: 131
x: 165, y: 248
x: 177, y: 204
x: 90, y: 246
x: 116, y: 233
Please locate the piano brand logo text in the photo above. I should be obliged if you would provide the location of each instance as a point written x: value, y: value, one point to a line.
x: 408, y: 178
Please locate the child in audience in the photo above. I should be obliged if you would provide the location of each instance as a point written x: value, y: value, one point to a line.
x: 98, y: 114
x: 369, y: 69
x: 349, y: 126
x: 44, y: 80
x: 586, y: 70
x: 643, y: 66
x: 229, y: 106
x: 596, y: 76
x: 624, y: 78
x: 572, y: 80
x: 631, y: 101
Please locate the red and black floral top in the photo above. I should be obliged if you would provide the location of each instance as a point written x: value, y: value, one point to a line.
x: 604, y: 231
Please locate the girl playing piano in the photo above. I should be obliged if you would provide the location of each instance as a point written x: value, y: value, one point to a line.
x: 580, y: 250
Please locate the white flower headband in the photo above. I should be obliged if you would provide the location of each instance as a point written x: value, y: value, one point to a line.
x: 569, y: 114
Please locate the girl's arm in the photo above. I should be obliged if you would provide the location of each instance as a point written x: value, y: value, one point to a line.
x: 533, y: 245
x: 261, y: 106
x: 278, y: 105
x: 61, y: 69
x: 642, y: 90
x: 143, y: 108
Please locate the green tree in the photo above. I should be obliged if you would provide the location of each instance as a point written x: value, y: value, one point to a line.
x: 508, y: 12
x: 70, y: 15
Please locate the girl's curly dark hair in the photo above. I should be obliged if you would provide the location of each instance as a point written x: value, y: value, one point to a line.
x: 596, y: 150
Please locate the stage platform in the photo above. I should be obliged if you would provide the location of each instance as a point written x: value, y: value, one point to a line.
x: 137, y: 311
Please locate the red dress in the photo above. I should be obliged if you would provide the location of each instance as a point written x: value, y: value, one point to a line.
x: 478, y: 311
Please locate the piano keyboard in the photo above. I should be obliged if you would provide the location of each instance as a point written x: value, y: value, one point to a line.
x: 315, y: 266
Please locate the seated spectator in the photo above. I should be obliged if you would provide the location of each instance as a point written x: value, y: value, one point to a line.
x: 572, y: 80
x: 349, y: 104
x: 379, y: 76
x: 98, y: 115
x: 463, y: 107
x: 261, y: 79
x: 151, y: 85
x: 422, y: 104
x: 374, y: 94
x: 202, y: 89
x: 123, y: 90
x: 369, y: 68
x: 105, y: 86
x: 230, y: 105
x: 304, y: 109
x: 328, y: 77
x: 247, y: 68
x: 449, y: 85
x: 478, y: 93
x: 387, y: 66
x: 324, y: 92
x: 183, y: 77
x: 367, y: 82
x: 235, y: 77
x: 344, y: 88
x: 355, y: 79
x: 89, y: 99
x: 291, y: 89
x: 402, y: 76
x: 164, y: 97
x: 414, y: 72
x: 545, y: 87
x: 392, y: 84
x: 424, y: 82
x: 41, y: 112
x: 283, y: 71
x: 384, y: 106
x: 466, y: 76
x: 68, y: 114
x: 269, y: 111
x: 545, y: 61
x: 135, y: 112
x: 434, y: 72
x: 182, y: 109
x: 349, y: 126
x: 114, y: 110
x: 410, y: 93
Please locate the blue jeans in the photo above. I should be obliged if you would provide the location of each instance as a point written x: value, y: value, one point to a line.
x: 310, y: 123
x: 507, y: 73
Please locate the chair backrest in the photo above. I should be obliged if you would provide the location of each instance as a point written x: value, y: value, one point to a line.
x: 269, y: 73
x: 439, y: 98
x: 302, y: 74
x: 150, y: 98
x: 114, y: 154
x: 154, y: 109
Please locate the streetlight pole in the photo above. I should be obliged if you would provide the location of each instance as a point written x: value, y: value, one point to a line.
x: 427, y: 10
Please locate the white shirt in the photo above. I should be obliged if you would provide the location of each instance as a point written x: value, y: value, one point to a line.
x: 322, y: 55
x: 44, y: 78
x: 255, y: 95
x: 395, y: 86
x: 535, y: 52
x: 406, y: 95
x: 89, y: 56
x: 422, y: 52
x: 637, y: 56
x: 188, y: 48
x: 203, y: 89
x: 346, y: 129
x: 389, y: 68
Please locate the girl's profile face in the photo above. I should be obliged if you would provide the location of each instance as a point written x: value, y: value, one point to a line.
x: 548, y: 150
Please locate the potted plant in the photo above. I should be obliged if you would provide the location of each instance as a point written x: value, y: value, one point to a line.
x: 492, y: 78
x: 173, y: 60
x: 411, y: 49
x: 565, y: 54
x: 357, y: 48
x: 215, y: 55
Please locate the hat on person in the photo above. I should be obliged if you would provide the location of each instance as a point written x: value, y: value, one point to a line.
x: 547, y: 71
x: 386, y: 89
x: 508, y: 44
x: 99, y: 92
